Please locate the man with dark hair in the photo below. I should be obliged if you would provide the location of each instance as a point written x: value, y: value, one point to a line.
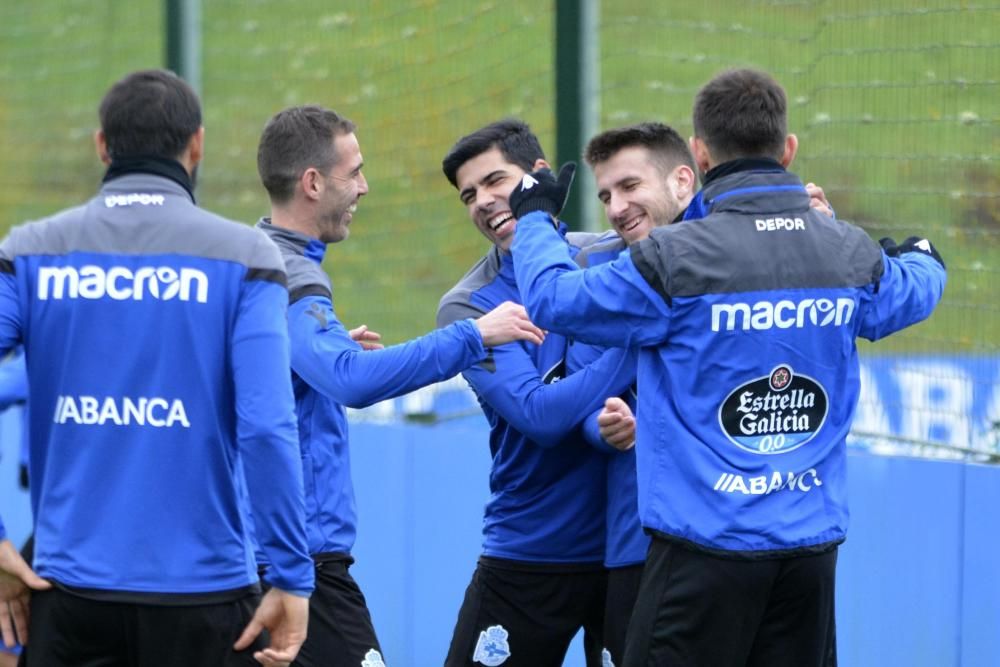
x: 541, y: 577
x: 645, y: 178
x: 156, y: 348
x: 748, y: 380
x: 310, y: 163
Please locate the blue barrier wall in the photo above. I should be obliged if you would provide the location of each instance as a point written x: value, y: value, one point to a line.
x: 917, y: 584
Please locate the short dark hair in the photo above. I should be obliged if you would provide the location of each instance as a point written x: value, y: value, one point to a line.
x: 665, y: 145
x: 150, y: 112
x: 517, y: 143
x: 294, y: 140
x: 742, y: 113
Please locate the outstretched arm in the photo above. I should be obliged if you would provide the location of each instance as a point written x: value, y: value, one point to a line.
x: 326, y: 357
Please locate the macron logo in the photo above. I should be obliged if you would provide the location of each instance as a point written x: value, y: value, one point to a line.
x: 784, y: 314
x: 924, y: 245
x: 122, y: 283
x: 528, y: 182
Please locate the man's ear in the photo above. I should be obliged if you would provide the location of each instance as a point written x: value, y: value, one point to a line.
x: 540, y: 163
x: 791, y: 148
x: 193, y: 152
x: 196, y: 146
x: 101, y: 146
x: 311, y: 182
x: 702, y: 157
x: 684, y: 182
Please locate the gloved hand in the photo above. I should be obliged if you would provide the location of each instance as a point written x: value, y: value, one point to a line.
x: 912, y: 244
x: 541, y: 191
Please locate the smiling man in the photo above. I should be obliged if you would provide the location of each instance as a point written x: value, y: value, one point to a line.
x: 645, y: 178
x: 310, y: 162
x: 540, y: 577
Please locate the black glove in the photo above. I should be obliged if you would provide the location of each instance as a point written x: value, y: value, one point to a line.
x: 540, y: 191
x: 912, y: 244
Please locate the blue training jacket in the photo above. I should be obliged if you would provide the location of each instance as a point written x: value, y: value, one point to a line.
x: 157, y: 356
x: 331, y: 371
x: 547, y: 484
x: 626, y: 542
x: 748, y: 373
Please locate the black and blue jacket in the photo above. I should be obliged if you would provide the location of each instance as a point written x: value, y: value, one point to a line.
x: 157, y: 357
x: 626, y: 542
x: 748, y: 370
x: 330, y: 371
x: 547, y: 484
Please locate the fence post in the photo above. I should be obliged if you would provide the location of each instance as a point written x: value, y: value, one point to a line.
x: 184, y: 40
x: 577, y: 101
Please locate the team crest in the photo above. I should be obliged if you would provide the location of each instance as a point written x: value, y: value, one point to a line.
x: 373, y: 659
x: 606, y: 660
x: 492, y: 648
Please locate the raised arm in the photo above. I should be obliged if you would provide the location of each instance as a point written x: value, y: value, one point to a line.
x: 611, y: 304
x: 911, y: 286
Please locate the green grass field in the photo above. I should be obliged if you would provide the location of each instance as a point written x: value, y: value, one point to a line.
x: 895, y: 105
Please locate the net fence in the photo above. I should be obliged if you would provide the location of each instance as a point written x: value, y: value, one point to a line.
x: 895, y: 103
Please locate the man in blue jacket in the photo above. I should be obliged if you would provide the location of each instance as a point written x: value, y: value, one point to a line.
x: 645, y: 178
x: 748, y: 381
x: 310, y: 163
x: 540, y: 577
x: 156, y: 347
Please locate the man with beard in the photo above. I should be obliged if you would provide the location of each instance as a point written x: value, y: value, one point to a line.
x: 310, y: 163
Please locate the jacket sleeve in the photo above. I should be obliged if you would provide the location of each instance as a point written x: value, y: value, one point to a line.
x: 10, y: 311
x: 267, y: 435
x: 13, y: 381
x: 324, y: 355
x: 10, y: 314
x: 911, y: 286
x: 611, y: 304
x: 547, y: 413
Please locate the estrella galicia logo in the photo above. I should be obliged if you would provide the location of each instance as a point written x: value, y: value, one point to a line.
x: 492, y: 648
x: 774, y: 414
